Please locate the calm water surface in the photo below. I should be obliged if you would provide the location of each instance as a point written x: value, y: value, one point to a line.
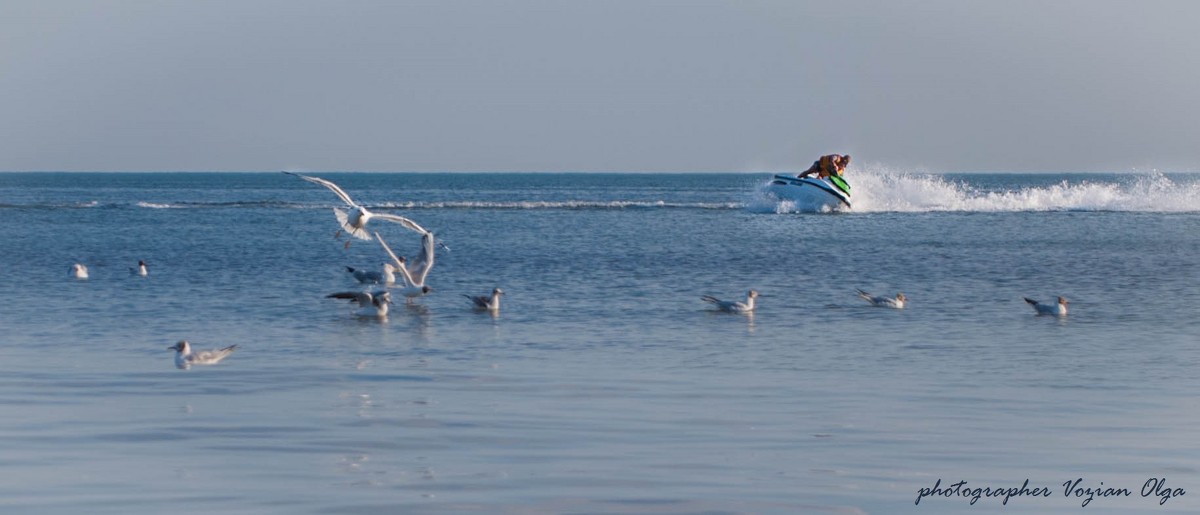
x: 604, y: 385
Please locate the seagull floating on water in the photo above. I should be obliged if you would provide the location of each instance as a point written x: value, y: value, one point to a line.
x: 490, y: 303
x: 884, y: 302
x: 355, y: 222
x: 140, y: 269
x: 185, y: 358
x: 732, y: 306
x: 387, y: 276
x: 1058, y: 309
x: 372, y: 304
x: 414, y: 279
x: 79, y: 271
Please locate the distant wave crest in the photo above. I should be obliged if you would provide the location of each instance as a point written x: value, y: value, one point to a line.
x: 561, y: 204
x: 467, y: 204
x: 200, y: 205
x: 157, y: 205
x: 881, y: 190
x: 509, y: 205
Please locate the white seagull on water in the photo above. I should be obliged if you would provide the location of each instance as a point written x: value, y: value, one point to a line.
x: 1058, y: 309
x: 414, y: 279
x: 140, y: 269
x: 79, y: 271
x: 732, y: 306
x: 355, y: 222
x: 185, y: 358
x: 487, y: 302
x: 373, y: 304
x: 884, y: 302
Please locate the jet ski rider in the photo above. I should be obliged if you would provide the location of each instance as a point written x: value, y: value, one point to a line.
x: 832, y: 164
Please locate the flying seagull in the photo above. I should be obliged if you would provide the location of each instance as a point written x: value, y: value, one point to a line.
x: 355, y: 222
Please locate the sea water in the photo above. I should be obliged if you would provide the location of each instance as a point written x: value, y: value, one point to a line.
x: 604, y: 384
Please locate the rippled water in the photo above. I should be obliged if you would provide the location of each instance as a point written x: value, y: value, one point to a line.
x: 604, y: 385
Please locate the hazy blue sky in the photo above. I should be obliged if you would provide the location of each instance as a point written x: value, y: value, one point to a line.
x: 937, y: 85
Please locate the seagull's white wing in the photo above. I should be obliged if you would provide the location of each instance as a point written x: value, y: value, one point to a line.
x: 210, y: 357
x: 328, y: 184
x: 425, y: 259
x: 411, y: 225
x: 404, y: 275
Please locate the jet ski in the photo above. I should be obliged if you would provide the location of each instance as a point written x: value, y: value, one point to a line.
x: 811, y: 194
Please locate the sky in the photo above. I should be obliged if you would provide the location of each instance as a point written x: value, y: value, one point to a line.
x: 580, y: 85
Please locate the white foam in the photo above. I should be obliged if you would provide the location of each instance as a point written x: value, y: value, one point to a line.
x: 882, y: 190
x: 154, y: 205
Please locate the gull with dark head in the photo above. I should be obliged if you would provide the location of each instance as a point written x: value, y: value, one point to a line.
x: 185, y: 358
x: 371, y: 304
x: 896, y: 302
x: 486, y: 302
x: 1057, y: 309
x: 355, y: 222
x: 140, y: 269
x: 733, y: 306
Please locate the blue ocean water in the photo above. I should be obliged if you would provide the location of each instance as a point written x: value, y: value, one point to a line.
x: 604, y: 384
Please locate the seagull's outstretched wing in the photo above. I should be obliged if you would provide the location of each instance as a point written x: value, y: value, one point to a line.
x: 337, y: 190
x: 409, y: 224
x: 404, y: 275
x: 425, y: 260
